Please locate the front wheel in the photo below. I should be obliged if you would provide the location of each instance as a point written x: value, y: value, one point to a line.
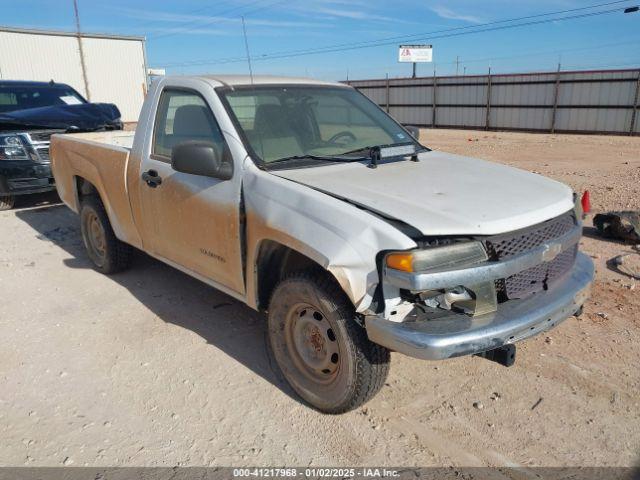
x: 322, y: 352
x: 7, y: 202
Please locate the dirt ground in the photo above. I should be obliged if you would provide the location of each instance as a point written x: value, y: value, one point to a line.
x: 151, y: 367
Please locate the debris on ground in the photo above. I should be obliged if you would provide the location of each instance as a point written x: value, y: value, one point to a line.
x: 623, y: 225
x: 628, y: 264
x: 535, y: 405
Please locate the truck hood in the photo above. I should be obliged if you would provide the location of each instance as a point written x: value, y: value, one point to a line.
x: 443, y: 194
x: 82, y: 117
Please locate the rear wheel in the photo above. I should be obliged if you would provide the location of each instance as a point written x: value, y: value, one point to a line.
x: 323, y: 353
x: 7, y: 202
x: 106, y: 252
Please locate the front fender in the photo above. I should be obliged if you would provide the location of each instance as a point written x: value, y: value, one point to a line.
x: 343, y: 239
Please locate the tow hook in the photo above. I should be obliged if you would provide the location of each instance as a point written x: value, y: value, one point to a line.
x: 505, y: 355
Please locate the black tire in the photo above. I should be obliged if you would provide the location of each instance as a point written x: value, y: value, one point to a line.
x: 107, y: 254
x: 322, y: 352
x: 7, y: 202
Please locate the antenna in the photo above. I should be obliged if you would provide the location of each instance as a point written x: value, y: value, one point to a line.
x: 246, y: 45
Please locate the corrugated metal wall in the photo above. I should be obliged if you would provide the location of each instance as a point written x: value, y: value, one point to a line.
x: 586, y: 101
x: 116, y: 71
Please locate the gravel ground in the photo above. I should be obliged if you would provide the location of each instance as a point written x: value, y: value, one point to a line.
x: 151, y: 367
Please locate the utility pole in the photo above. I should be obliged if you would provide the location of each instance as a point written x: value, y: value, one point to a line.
x: 414, y: 70
x: 246, y: 46
x: 81, y: 49
x: 457, y: 64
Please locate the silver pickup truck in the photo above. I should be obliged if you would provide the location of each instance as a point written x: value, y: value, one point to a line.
x: 305, y: 200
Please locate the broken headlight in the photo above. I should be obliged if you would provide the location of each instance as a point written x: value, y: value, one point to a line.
x: 12, y: 147
x: 477, y: 299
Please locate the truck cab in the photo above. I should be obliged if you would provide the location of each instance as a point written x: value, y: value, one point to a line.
x: 304, y: 200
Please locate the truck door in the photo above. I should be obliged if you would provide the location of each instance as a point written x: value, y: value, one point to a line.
x: 190, y: 221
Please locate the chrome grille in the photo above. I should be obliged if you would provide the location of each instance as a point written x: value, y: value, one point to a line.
x: 43, y: 135
x: 43, y: 153
x: 535, y: 279
x: 40, y: 141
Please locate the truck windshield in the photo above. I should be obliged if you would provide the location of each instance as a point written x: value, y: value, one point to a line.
x: 23, y: 97
x: 281, y: 122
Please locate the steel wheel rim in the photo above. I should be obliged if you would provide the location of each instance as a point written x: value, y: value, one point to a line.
x: 312, y: 343
x: 96, y: 238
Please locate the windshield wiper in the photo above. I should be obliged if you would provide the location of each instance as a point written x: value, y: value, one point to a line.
x: 319, y: 158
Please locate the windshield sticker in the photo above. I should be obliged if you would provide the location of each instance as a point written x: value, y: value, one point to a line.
x: 70, y: 100
x: 401, y: 136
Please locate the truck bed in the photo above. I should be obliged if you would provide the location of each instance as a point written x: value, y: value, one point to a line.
x: 117, y: 138
x: 100, y: 159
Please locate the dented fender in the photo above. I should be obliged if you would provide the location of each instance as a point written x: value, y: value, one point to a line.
x: 340, y: 237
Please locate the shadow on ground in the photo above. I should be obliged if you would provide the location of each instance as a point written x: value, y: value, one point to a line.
x: 36, y: 200
x: 173, y: 296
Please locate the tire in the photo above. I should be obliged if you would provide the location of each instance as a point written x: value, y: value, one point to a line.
x: 7, y: 202
x: 322, y: 352
x: 107, y: 254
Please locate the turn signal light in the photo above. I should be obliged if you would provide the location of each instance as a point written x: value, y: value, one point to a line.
x: 400, y: 261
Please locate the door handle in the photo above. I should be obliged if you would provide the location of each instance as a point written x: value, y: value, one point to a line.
x: 152, y: 178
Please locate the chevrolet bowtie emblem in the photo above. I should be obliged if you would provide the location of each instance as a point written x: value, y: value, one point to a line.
x: 551, y: 251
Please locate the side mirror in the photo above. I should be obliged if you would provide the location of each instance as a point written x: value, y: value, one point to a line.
x: 202, y: 158
x: 414, y: 131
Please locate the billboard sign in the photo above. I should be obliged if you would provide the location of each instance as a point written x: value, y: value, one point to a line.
x: 415, y: 53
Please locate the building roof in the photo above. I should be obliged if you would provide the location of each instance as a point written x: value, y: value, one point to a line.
x: 60, y: 33
x: 238, y: 80
x: 31, y: 83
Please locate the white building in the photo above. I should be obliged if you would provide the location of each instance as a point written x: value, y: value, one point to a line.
x: 114, y: 66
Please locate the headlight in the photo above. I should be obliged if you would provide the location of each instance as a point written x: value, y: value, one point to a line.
x: 12, y: 147
x: 459, y: 254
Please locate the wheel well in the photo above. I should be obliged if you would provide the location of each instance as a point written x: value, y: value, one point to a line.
x: 276, y: 261
x: 85, y: 187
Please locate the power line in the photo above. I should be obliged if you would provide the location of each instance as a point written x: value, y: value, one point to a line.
x: 451, y: 32
x: 192, y: 12
x: 203, y: 23
x: 468, y: 27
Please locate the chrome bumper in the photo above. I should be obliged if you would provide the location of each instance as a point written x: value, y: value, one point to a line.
x: 457, y: 334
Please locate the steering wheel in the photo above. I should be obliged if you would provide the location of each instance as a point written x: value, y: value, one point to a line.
x: 350, y: 137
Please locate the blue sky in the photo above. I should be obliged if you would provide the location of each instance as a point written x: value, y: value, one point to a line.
x: 192, y: 36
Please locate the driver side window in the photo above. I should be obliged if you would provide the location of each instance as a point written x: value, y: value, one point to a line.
x: 183, y: 116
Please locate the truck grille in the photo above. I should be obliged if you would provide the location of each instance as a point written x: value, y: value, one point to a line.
x: 43, y: 135
x: 535, y: 279
x: 43, y: 153
x: 40, y: 141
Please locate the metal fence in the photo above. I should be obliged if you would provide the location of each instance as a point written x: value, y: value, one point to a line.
x: 603, y: 101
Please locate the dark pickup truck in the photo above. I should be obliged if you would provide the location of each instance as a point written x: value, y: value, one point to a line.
x: 30, y: 112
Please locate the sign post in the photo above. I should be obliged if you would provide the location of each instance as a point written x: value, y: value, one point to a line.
x: 415, y: 54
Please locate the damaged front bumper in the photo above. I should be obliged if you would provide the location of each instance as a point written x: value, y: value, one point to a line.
x: 457, y: 334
